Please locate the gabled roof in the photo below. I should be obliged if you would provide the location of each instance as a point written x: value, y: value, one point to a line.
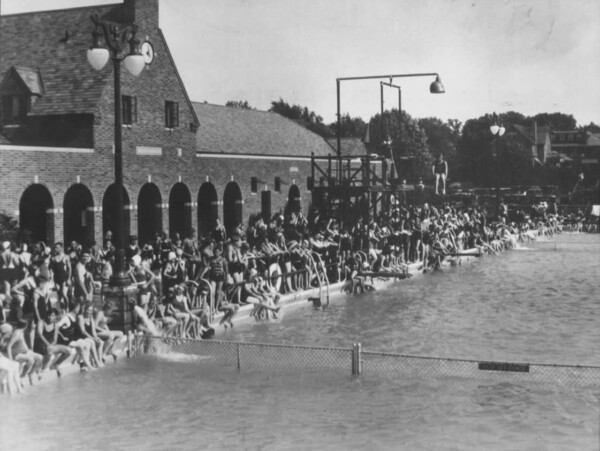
x: 593, y: 139
x: 240, y: 131
x: 32, y: 79
x: 529, y: 133
x: 25, y: 77
x: 54, y: 44
x: 350, y: 147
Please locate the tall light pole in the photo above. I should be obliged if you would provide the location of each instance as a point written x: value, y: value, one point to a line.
x: 121, y: 45
x: 436, y: 87
x: 381, y: 85
x: 497, y: 131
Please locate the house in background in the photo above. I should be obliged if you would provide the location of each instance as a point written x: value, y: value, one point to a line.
x: 536, y: 138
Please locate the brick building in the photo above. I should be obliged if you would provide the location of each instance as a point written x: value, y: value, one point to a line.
x: 185, y: 163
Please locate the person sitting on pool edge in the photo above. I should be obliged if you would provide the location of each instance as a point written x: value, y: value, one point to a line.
x: 47, y: 344
x: 252, y: 294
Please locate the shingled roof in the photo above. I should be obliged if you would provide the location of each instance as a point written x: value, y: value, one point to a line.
x: 53, y: 44
x: 240, y: 131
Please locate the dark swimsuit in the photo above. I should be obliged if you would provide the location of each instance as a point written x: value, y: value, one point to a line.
x: 440, y: 168
x: 88, y: 329
x: 59, y: 267
x: 67, y: 332
x: 40, y: 346
x: 217, y: 269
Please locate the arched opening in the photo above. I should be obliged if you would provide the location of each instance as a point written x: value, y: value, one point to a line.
x: 232, y: 206
x: 36, y: 214
x: 294, y: 199
x: 208, y: 210
x: 180, y: 210
x: 149, y: 213
x: 78, y: 216
x: 109, y: 213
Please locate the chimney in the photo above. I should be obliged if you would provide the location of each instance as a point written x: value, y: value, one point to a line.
x: 143, y: 12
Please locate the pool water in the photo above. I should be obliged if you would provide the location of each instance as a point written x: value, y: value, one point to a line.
x: 532, y: 305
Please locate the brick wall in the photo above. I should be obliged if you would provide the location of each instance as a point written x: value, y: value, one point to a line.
x: 177, y: 162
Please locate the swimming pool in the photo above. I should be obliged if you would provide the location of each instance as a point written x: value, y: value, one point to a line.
x: 536, y: 305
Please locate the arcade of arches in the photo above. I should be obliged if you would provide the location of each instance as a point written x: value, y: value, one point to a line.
x: 85, y: 222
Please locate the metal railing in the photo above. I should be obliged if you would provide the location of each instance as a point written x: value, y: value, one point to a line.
x: 275, y: 357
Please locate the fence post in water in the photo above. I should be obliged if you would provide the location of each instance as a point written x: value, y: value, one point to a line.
x: 129, y: 344
x: 356, y: 364
x: 238, y: 357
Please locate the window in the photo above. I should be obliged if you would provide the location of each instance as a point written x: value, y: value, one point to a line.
x: 265, y: 204
x: 253, y: 185
x: 14, y: 109
x: 129, y: 110
x: 277, y: 184
x: 171, y: 114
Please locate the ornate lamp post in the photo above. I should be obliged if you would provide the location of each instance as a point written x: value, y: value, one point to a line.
x: 497, y: 131
x: 121, y: 45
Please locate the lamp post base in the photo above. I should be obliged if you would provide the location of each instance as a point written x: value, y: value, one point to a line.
x: 120, y: 279
x: 121, y: 300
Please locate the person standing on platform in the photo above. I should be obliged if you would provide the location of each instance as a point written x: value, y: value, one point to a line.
x: 440, y: 172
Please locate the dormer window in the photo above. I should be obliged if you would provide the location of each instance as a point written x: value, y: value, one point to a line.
x: 15, y: 109
x: 19, y: 88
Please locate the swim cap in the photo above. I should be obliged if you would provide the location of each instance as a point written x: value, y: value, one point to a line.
x: 136, y: 259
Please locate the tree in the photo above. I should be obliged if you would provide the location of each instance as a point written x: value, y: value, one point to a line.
x: 353, y: 127
x: 442, y: 138
x: 296, y: 112
x: 474, y: 150
x: 9, y: 228
x: 591, y: 128
x: 408, y: 143
x: 303, y: 116
x: 556, y: 121
x: 477, y: 148
x: 243, y: 105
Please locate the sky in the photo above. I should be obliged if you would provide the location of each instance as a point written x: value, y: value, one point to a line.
x: 529, y: 56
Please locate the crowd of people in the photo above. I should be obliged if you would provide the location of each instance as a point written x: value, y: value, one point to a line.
x: 52, y: 299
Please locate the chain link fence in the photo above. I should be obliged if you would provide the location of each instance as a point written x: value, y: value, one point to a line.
x: 353, y: 360
x: 244, y: 356
x: 420, y: 367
